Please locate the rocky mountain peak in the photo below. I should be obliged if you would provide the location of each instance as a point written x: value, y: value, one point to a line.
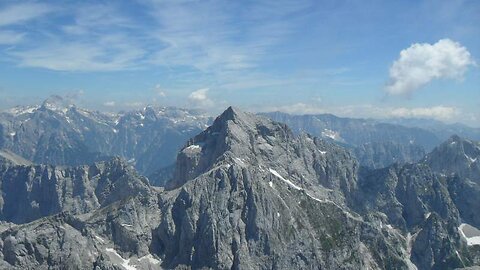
x: 233, y: 113
x: 56, y: 103
x: 456, y: 156
x: 234, y: 136
x: 258, y: 144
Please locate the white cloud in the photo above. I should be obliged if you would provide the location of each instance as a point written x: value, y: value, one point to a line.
x: 98, y: 38
x: 109, y: 103
x: 436, y: 112
x: 158, y: 89
x: 200, y: 98
x: 80, y: 57
x: 106, y: 37
x: 19, y: 13
x: 10, y: 37
x: 296, y: 108
x: 203, y: 35
x: 421, y: 63
x: 443, y: 113
x: 199, y: 95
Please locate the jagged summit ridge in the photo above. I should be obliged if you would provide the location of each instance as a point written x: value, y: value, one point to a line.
x: 237, y: 138
x: 234, y: 135
x: 456, y: 155
x: 57, y: 103
x: 58, y: 132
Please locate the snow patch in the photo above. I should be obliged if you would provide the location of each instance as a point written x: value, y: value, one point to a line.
x: 241, y: 161
x: 270, y: 183
x: 12, y: 134
x: 126, y: 225
x: 272, y: 171
x: 473, y: 238
x: 99, y: 239
x: 472, y: 160
x: 115, y: 257
x: 194, y: 147
x: 323, y: 152
x: 150, y: 259
x: 22, y: 110
x: 334, y: 135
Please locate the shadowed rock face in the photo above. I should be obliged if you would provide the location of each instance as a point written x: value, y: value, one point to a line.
x: 456, y: 156
x: 459, y: 159
x: 34, y: 191
x: 246, y: 194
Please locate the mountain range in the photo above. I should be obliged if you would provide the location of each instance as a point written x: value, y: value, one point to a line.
x: 59, y: 133
x: 378, y: 143
x: 246, y: 192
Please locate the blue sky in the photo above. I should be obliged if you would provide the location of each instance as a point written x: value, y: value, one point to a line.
x: 302, y: 56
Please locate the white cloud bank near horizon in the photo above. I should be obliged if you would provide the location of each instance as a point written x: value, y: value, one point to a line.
x: 421, y: 63
x: 442, y: 113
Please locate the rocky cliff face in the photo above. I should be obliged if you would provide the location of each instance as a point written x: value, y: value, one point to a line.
x: 416, y: 201
x: 383, y: 154
x: 30, y: 192
x: 459, y: 159
x: 456, y: 156
x: 246, y: 194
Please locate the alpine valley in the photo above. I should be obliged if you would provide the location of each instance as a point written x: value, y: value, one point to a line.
x: 169, y: 188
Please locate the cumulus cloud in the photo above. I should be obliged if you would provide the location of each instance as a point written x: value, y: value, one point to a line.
x: 422, y: 62
x: 200, y: 98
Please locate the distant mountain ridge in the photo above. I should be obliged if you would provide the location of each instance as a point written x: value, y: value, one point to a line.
x: 59, y: 133
x: 378, y: 143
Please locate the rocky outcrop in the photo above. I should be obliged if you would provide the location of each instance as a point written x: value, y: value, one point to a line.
x: 456, y: 156
x: 35, y: 191
x: 459, y: 159
x: 383, y: 154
